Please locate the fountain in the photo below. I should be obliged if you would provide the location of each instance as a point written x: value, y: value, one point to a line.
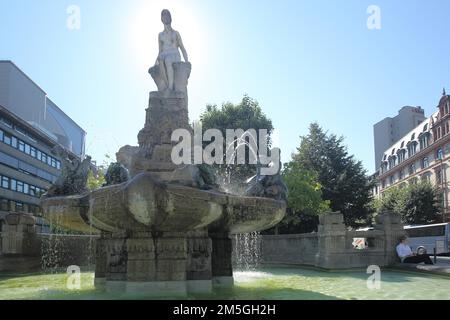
x: 164, y: 229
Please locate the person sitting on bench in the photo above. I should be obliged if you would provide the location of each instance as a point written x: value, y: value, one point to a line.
x: 407, y: 256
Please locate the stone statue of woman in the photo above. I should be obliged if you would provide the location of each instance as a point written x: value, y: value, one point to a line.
x: 170, y: 44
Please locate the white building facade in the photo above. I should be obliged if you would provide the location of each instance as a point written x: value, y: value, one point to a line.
x: 390, y: 130
x: 422, y: 154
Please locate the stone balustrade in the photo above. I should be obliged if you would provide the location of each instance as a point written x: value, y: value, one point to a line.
x: 332, y: 247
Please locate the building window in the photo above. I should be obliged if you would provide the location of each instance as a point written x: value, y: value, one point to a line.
x: 439, y: 177
x: 33, y: 152
x: 412, y: 169
x: 425, y: 163
x: 26, y: 188
x: 424, y: 141
x: 384, y: 167
x: 5, y: 182
x: 20, y: 186
x: 412, y: 148
x: 21, y: 146
x: 392, y: 180
x: 392, y: 162
x: 13, y: 185
x: 4, y: 205
x: 7, y: 139
x: 29, y: 150
x: 439, y: 154
x: 20, y: 207
x: 13, y: 142
x: 401, y: 174
x: 6, y: 122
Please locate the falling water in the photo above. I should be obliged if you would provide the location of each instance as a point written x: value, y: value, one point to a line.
x: 51, y: 248
x: 246, y: 247
x: 247, y: 251
x: 224, y: 180
x: 61, y: 249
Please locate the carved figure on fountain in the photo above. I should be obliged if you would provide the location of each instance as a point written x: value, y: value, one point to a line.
x: 74, y: 175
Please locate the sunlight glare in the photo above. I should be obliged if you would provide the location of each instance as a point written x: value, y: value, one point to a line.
x: 145, y: 25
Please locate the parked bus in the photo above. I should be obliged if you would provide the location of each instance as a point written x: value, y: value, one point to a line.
x: 424, y: 239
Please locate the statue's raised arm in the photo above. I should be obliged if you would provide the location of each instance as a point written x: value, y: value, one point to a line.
x: 170, y: 44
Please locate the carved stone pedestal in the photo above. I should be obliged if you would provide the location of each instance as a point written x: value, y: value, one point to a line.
x: 171, y: 264
x: 167, y: 112
x: 222, y: 269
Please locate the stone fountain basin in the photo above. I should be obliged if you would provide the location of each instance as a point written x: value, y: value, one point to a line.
x: 146, y: 204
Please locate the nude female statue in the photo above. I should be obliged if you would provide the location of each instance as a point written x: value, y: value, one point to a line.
x: 169, y: 45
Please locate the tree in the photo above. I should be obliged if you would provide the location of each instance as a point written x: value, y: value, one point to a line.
x: 95, y: 180
x: 416, y: 204
x: 245, y: 115
x: 345, y: 182
x: 304, y: 201
x: 389, y: 201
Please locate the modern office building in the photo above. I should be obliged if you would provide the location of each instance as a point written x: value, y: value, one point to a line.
x: 422, y: 154
x: 390, y: 130
x: 31, y: 125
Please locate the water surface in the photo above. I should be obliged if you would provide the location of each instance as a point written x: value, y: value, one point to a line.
x: 271, y: 283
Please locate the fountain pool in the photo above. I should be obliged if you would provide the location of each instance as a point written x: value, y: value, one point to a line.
x: 278, y: 283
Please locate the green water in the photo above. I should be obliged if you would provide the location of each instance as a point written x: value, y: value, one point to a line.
x: 273, y: 283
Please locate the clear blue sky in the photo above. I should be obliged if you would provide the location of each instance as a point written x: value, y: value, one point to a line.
x: 304, y: 61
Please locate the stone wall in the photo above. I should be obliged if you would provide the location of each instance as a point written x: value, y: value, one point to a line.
x: 332, y: 247
x: 23, y: 250
x: 290, y: 249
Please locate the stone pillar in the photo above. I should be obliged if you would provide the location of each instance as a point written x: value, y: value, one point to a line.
x: 199, y: 272
x: 21, y: 248
x: 332, y: 237
x: 100, y: 263
x: 143, y: 262
x: 116, y: 263
x: 167, y: 112
x: 171, y: 257
x: 222, y: 269
x: 19, y: 235
x: 157, y: 264
x: 390, y: 223
x: 141, y: 259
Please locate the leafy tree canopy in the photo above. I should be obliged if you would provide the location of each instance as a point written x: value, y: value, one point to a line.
x: 304, y: 201
x: 245, y: 115
x: 416, y: 203
x: 344, y: 181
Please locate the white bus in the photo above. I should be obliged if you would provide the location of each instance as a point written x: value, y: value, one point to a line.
x: 424, y: 239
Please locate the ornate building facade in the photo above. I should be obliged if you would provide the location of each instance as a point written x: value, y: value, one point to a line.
x: 422, y: 154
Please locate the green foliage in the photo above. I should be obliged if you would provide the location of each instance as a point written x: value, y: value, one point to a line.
x: 304, y: 201
x: 344, y: 180
x: 416, y: 203
x: 389, y: 201
x: 95, y: 180
x: 116, y: 174
x: 305, y: 192
x: 245, y: 115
